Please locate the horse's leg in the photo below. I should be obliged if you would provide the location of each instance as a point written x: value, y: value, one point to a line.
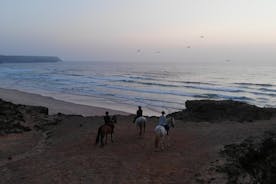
x: 163, y: 142
x: 140, y: 130
x: 102, y: 139
x: 111, y: 136
x: 106, y: 135
x: 156, y: 141
x: 144, y: 126
x: 167, y: 139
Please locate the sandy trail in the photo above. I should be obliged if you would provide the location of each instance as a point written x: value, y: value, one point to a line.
x: 70, y: 155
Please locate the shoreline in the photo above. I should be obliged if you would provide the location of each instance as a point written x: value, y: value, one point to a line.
x: 54, y: 105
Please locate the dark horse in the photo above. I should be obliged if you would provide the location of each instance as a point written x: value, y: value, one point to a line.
x: 104, y: 130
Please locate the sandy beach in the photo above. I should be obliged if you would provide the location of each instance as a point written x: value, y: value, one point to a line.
x: 54, y: 105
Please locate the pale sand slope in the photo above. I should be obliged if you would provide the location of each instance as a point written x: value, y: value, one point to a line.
x: 69, y: 155
x: 54, y: 105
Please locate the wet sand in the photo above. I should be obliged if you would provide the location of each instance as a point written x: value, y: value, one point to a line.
x: 54, y: 105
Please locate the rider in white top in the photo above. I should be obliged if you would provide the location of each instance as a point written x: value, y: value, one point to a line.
x: 162, y: 119
x: 163, y: 122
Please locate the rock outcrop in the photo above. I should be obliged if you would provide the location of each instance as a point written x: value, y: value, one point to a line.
x: 209, y: 110
x: 252, y: 161
x: 13, y: 117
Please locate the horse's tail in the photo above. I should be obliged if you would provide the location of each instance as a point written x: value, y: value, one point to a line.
x: 98, y: 135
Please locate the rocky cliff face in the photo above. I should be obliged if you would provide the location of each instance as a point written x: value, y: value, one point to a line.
x: 209, y: 110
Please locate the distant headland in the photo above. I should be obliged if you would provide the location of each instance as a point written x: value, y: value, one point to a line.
x: 28, y: 59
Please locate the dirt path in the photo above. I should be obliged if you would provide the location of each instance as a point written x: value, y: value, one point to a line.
x: 71, y: 156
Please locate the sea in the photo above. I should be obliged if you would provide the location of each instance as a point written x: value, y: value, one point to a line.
x: 154, y: 86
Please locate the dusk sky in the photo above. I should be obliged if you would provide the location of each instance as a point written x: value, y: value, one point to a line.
x: 141, y: 30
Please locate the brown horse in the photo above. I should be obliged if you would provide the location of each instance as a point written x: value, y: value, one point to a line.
x: 105, y: 130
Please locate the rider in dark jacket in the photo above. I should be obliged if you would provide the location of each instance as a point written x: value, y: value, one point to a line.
x: 139, y: 113
x: 109, y: 121
x: 107, y: 118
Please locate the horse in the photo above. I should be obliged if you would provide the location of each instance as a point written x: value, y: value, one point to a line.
x: 161, y: 133
x: 141, y: 123
x: 104, y: 130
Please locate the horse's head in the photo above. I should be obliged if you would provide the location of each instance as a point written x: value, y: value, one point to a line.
x: 114, y: 119
x: 170, y: 121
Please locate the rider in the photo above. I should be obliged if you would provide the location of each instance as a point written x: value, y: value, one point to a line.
x: 163, y: 122
x: 139, y: 113
x: 107, y: 119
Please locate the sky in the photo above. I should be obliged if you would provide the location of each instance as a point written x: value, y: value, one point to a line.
x: 140, y: 30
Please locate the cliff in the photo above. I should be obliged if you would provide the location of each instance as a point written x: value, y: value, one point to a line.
x: 28, y: 59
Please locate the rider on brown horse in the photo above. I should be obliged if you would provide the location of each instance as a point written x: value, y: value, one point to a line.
x: 108, y: 120
x: 107, y: 128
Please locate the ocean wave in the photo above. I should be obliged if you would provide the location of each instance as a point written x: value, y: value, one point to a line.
x: 254, y: 84
x: 149, y: 83
x: 151, y: 91
x: 208, y: 88
x: 264, y: 94
x: 227, y: 97
x: 142, y: 78
x: 161, y: 101
x: 268, y: 90
x: 149, y: 102
x: 201, y: 87
x: 194, y: 82
x: 77, y: 75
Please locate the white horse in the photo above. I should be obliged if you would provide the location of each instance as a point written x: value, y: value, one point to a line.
x: 141, y: 123
x: 162, y: 133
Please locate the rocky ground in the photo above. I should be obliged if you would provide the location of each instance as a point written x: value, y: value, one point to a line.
x: 17, y: 118
x: 251, y: 161
x: 60, y: 148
